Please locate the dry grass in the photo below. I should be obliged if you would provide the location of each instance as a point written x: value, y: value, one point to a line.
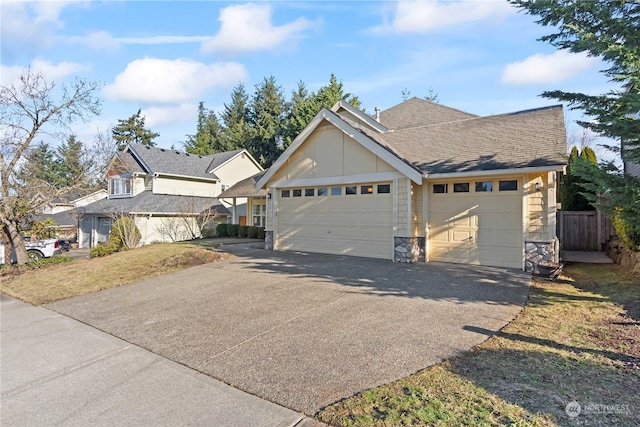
x: 574, y: 341
x: 85, y: 276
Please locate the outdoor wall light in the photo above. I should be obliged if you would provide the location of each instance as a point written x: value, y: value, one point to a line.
x: 268, y: 195
x: 538, y: 186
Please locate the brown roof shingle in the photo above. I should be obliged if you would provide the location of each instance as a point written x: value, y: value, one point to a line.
x: 419, y: 112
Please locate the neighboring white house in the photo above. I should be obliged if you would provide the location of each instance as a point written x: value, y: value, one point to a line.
x: 165, y: 191
x: 63, y: 210
x: 420, y: 182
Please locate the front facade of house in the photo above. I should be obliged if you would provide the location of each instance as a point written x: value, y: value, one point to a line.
x: 166, y: 192
x: 422, y: 183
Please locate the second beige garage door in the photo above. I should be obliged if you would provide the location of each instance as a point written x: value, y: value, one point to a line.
x: 335, y: 220
x: 476, y: 227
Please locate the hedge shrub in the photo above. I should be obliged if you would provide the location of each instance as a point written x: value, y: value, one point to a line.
x: 243, y: 230
x: 232, y: 230
x: 221, y: 230
x: 252, y: 232
x: 105, y: 248
x: 260, y: 233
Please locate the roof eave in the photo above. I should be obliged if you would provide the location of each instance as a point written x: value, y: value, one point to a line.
x: 511, y: 171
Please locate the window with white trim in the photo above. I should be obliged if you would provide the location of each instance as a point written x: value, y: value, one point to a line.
x: 119, y: 186
x: 259, y: 215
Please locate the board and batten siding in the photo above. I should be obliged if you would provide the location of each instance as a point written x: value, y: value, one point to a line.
x: 329, y: 152
x: 541, y: 207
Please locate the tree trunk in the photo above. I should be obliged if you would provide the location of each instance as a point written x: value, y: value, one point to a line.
x: 17, y: 243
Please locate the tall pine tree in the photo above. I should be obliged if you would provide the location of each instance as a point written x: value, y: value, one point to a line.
x: 208, y: 137
x: 267, y: 112
x: 236, y: 132
x: 132, y: 130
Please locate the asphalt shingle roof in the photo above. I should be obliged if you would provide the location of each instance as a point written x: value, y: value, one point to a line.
x: 245, y: 188
x: 419, y: 112
x: 528, y: 138
x: 175, y: 162
x: 150, y: 203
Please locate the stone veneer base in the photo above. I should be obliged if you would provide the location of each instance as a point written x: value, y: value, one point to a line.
x: 268, y: 240
x: 408, y: 249
x: 537, y: 252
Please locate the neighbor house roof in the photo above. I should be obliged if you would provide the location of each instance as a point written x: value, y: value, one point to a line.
x: 175, y: 162
x: 244, y: 188
x: 72, y: 195
x: 419, y: 112
x: 150, y: 203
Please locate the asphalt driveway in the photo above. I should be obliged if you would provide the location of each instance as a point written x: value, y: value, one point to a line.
x: 306, y: 330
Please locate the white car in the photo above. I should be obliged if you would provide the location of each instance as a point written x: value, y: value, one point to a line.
x: 36, y: 250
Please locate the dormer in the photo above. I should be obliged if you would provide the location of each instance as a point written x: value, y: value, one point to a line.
x: 120, y: 186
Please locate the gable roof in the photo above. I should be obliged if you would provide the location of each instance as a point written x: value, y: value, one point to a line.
x: 531, y: 138
x: 150, y: 203
x: 419, y: 112
x: 163, y: 161
x: 244, y: 188
x: 457, y: 142
x: 358, y: 135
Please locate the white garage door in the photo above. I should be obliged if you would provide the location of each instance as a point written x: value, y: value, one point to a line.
x: 348, y: 220
x: 476, y: 223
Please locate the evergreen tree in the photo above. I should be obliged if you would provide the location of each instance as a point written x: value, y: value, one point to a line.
x: 236, y: 132
x: 133, y: 130
x: 267, y: 112
x: 208, y: 137
x: 572, y: 190
x: 609, y: 30
x: 307, y: 106
x: 70, y: 166
x: 40, y: 166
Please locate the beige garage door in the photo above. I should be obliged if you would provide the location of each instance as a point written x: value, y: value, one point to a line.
x: 347, y: 220
x: 481, y: 227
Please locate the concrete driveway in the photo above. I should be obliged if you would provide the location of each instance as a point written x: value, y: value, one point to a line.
x: 306, y: 330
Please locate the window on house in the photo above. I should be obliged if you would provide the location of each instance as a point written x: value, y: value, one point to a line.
x: 322, y: 191
x: 484, y: 186
x: 366, y: 189
x: 461, y: 187
x: 120, y: 186
x: 511, y: 185
x: 309, y: 192
x: 285, y: 193
x: 336, y: 191
x: 297, y: 193
x: 384, y: 188
x: 440, y: 188
x: 352, y: 189
x: 259, y: 215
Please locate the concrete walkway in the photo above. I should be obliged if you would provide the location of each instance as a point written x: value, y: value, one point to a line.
x: 58, y: 371
x: 585, y: 257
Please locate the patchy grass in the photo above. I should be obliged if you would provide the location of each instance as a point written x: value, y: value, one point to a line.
x: 577, y: 339
x: 85, y: 276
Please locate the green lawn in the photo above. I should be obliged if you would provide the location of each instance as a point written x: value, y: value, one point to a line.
x: 577, y: 339
x: 66, y: 280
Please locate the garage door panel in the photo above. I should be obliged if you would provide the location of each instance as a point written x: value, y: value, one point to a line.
x: 477, y: 228
x: 357, y: 224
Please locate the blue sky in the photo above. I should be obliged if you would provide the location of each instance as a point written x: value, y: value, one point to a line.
x: 166, y: 56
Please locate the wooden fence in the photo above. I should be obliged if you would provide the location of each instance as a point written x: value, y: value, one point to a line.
x: 583, y: 230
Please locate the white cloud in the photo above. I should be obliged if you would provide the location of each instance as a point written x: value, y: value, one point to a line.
x: 153, y: 80
x: 425, y: 16
x: 162, y: 116
x: 51, y: 72
x: 103, y: 40
x: 248, y: 27
x: 29, y: 25
x: 541, y: 68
